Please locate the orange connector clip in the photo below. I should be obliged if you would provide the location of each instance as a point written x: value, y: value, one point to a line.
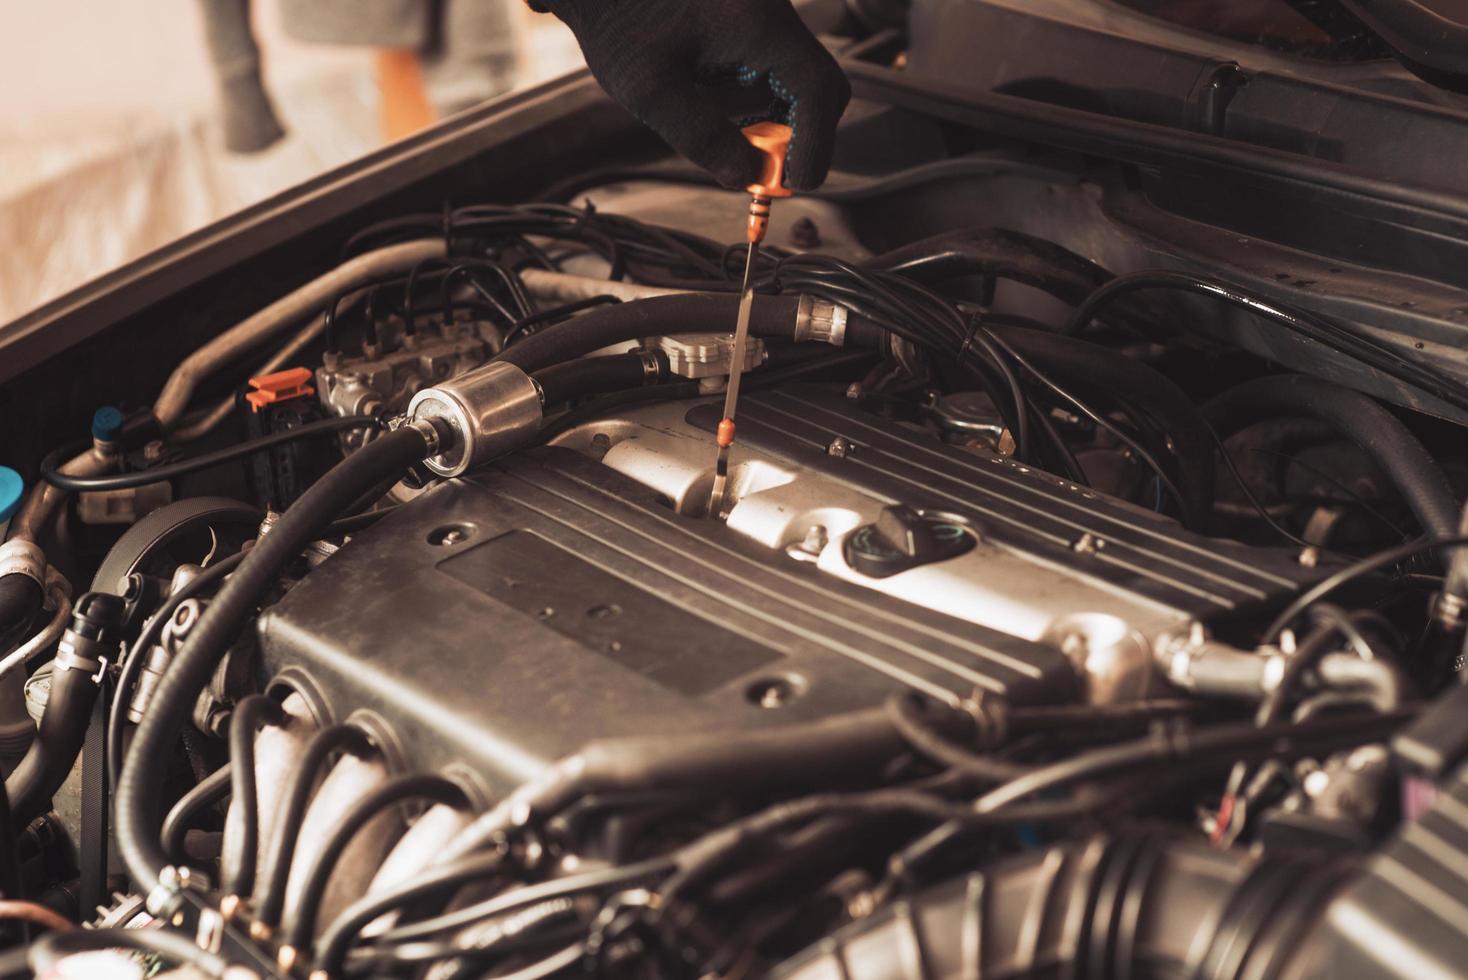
x: 282, y: 386
x: 773, y: 142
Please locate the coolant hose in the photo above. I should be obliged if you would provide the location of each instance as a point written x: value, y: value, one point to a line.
x: 419, y: 788
x: 771, y: 317
x: 51, y: 755
x: 20, y: 600
x: 243, y: 844
x: 586, y: 376
x: 139, y: 787
x: 781, y: 758
x: 208, y: 792
x: 228, y: 347
x: 270, y: 885
x: 1358, y: 418
x: 90, y: 640
x: 1081, y: 364
x: 1138, y: 905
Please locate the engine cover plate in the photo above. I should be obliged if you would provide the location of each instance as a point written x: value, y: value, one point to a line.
x: 500, y: 621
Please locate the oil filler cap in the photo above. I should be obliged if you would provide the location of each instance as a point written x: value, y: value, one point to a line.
x: 903, y: 538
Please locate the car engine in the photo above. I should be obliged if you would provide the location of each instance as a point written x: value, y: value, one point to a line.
x: 1052, y: 624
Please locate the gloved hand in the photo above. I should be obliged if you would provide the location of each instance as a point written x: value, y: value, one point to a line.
x: 665, y: 61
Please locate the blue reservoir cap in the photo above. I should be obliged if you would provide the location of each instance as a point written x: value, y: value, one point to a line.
x: 107, y: 424
x: 12, y: 490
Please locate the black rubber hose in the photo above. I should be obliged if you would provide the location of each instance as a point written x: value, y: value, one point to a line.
x: 1182, y: 746
x: 20, y: 600
x: 1139, y: 905
x: 270, y: 886
x: 243, y: 844
x: 1358, y: 418
x: 788, y: 757
x: 44, y: 954
x: 423, y: 786
x: 1091, y: 367
x: 771, y: 316
x: 157, y: 474
x: 58, y: 741
x: 137, y: 658
x: 10, y: 880
x: 140, y: 783
x: 587, y: 376
x: 1000, y: 253
x: 339, y: 936
x: 911, y: 722
x: 208, y: 792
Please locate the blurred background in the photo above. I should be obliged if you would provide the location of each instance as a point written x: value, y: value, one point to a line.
x: 117, y: 119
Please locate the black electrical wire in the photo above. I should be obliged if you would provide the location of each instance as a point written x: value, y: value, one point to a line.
x: 244, y: 844
x: 465, y: 270
x: 137, y: 655
x: 1351, y: 573
x: 138, y: 796
x: 208, y: 792
x: 332, y: 946
x: 1140, y: 451
x: 270, y: 886
x: 1346, y: 491
x: 616, y: 878
x: 1331, y: 622
x: 527, y: 324
x: 10, y: 877
x: 369, y: 317
x: 907, y: 718
x: 463, y: 958
x: 1168, y: 745
x: 1305, y: 323
x: 1228, y: 462
x: 426, y: 787
x: 158, y: 474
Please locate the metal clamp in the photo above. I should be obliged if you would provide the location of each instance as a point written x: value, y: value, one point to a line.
x: 820, y: 321
x: 166, y: 896
x: 72, y: 654
x: 20, y: 556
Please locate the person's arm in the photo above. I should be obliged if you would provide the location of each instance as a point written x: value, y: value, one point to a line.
x: 664, y: 60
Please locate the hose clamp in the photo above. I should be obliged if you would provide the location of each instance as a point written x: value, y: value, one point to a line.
x: 820, y: 321
x: 167, y: 896
x: 651, y: 367
x: 1448, y: 611
x: 19, y: 556
x: 76, y: 652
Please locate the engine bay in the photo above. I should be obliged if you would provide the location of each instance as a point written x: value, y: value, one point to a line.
x: 1072, y: 610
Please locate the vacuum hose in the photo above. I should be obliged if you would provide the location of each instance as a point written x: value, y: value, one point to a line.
x: 139, y: 786
x: 1378, y: 433
x: 1084, y: 365
x: 771, y: 317
x: 91, y: 639
x: 20, y: 600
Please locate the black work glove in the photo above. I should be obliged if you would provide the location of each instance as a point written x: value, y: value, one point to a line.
x: 671, y: 62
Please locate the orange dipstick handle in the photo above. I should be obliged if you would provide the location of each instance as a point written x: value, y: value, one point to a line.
x: 773, y: 141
